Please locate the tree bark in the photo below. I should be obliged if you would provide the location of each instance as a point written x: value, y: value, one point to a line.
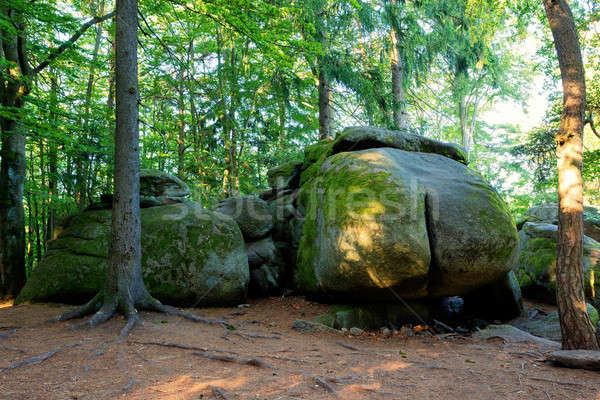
x: 324, y: 104
x: 576, y: 327
x: 399, y: 96
x: 13, y: 166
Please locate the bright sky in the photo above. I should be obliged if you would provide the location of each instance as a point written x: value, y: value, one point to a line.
x: 537, y: 97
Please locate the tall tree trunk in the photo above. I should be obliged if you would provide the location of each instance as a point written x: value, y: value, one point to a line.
x: 576, y: 327
x: 399, y: 96
x: 324, y: 104
x: 52, y: 163
x: 181, y: 136
x: 84, y: 161
x: 465, y: 132
x: 13, y: 165
x: 124, y: 290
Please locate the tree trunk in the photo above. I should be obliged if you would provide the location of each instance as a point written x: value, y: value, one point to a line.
x: 576, y: 327
x: 324, y: 104
x: 399, y: 97
x: 465, y: 132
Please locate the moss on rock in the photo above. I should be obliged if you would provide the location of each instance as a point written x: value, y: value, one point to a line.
x: 190, y: 256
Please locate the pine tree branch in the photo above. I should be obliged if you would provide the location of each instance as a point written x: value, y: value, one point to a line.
x: 59, y: 50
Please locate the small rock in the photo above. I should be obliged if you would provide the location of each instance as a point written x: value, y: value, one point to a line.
x: 406, y: 331
x: 356, y: 331
x: 243, y: 306
x: 312, y: 327
x: 387, y: 332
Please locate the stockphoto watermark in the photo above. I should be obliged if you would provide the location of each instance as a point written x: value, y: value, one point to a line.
x: 408, y: 202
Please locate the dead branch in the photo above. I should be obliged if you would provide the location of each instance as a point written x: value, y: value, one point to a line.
x: 39, y: 359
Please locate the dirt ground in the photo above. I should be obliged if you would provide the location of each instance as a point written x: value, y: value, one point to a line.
x: 95, y: 364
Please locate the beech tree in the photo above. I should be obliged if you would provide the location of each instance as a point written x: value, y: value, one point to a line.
x: 576, y: 327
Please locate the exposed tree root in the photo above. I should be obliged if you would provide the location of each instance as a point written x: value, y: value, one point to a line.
x: 158, y: 306
x: 88, y: 308
x: 10, y: 333
x: 39, y: 359
x: 182, y: 346
x: 249, y: 336
x: 103, y: 310
x: 255, y: 362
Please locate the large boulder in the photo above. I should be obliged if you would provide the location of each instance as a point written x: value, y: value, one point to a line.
x: 267, y: 267
x: 360, y: 138
x: 536, y: 264
x: 159, y: 188
x: 251, y: 213
x: 190, y: 256
x: 420, y: 223
x: 548, y: 213
x: 549, y: 326
x: 286, y: 175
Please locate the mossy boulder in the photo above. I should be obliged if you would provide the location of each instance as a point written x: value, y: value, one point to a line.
x: 375, y: 316
x: 314, y: 156
x: 190, y: 256
x: 420, y: 223
x: 266, y: 267
x: 286, y: 175
x: 548, y: 213
x: 536, y: 264
x: 549, y: 326
x: 159, y: 188
x: 360, y: 138
x: 252, y: 214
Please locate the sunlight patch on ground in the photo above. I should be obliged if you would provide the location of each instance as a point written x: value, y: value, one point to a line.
x: 389, y: 366
x: 5, y: 304
x: 188, y: 387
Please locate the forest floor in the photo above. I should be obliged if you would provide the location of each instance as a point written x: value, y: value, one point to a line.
x: 95, y: 364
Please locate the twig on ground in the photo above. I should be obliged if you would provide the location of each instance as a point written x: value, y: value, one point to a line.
x: 219, y: 393
x: 39, y: 359
x: 359, y: 388
x: 285, y: 359
x: 350, y: 347
x: 534, y: 378
x: 321, y: 382
x: 129, y: 385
